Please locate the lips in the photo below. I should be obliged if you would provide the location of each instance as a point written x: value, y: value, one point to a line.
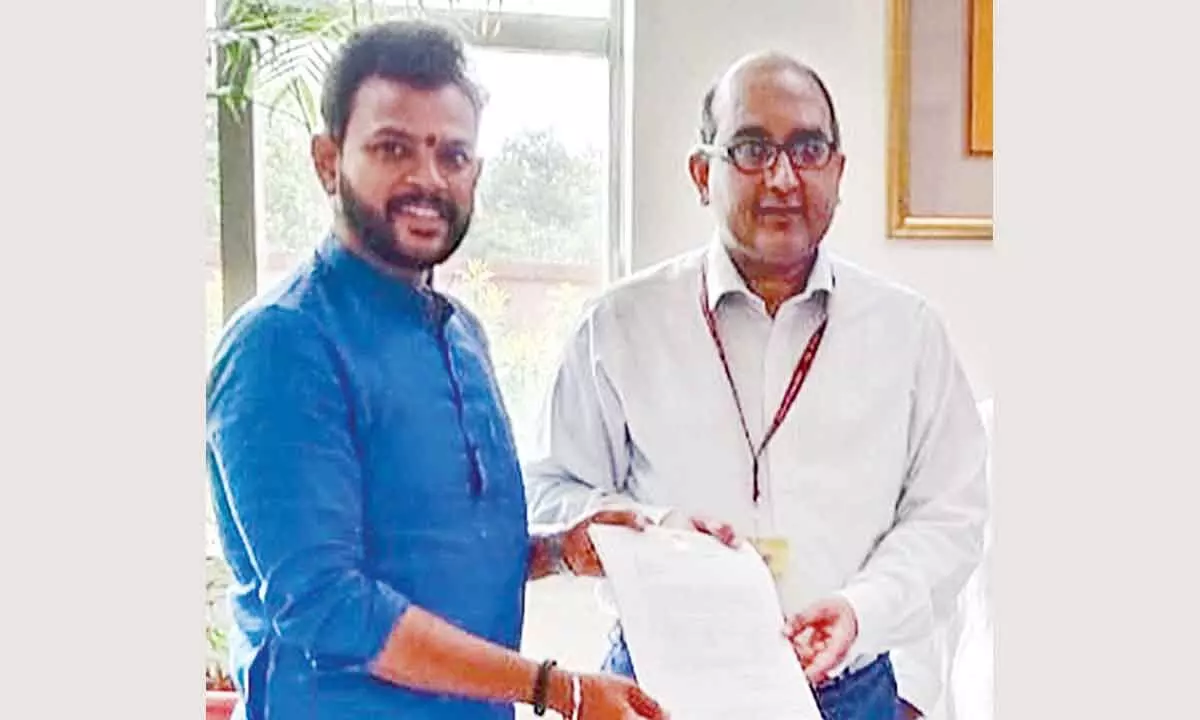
x: 773, y: 209
x: 421, y: 211
x: 780, y: 217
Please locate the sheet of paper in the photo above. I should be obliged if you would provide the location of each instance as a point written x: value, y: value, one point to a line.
x: 703, y: 625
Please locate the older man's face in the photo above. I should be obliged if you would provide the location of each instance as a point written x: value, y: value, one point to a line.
x: 777, y: 215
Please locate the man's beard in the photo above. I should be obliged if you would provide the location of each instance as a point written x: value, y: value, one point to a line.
x: 378, y: 233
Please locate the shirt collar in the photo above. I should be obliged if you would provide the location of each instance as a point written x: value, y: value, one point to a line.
x: 724, y: 279
x: 365, y: 279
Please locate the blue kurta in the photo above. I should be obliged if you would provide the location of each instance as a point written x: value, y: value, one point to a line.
x: 361, y: 460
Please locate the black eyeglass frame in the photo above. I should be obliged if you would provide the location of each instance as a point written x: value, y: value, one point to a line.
x: 727, y: 152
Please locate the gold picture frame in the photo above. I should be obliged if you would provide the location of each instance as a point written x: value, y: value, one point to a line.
x: 902, y: 222
x: 980, y: 128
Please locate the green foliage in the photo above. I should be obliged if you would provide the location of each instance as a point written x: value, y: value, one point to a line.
x: 295, y: 210
x: 276, y: 53
x: 260, y: 44
x: 538, y: 201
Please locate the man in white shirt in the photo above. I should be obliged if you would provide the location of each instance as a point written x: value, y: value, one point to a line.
x: 763, y: 381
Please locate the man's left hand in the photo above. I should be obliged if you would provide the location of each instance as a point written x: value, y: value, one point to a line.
x: 822, y: 635
x: 908, y: 712
x: 708, y: 526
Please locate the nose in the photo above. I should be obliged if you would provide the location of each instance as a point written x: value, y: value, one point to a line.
x: 426, y: 174
x: 781, y: 176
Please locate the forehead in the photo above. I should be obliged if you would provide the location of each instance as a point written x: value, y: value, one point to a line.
x: 781, y: 101
x: 380, y: 104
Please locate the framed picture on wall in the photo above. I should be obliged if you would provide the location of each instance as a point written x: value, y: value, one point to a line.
x: 939, y: 149
x: 980, y: 113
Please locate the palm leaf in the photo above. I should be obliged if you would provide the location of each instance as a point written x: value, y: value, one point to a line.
x: 304, y: 98
x: 281, y: 104
x: 283, y: 51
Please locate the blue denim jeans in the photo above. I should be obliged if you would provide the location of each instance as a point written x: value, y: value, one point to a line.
x: 865, y: 694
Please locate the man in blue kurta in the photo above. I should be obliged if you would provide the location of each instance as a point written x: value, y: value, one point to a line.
x: 363, y: 469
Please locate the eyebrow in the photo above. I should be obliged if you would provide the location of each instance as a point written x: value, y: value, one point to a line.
x: 750, y: 132
x: 390, y: 133
x: 385, y: 133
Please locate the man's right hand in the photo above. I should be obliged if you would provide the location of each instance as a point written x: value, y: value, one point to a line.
x: 578, y: 551
x: 608, y: 697
x: 580, y: 555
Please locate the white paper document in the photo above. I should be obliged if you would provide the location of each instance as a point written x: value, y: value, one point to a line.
x: 703, y: 625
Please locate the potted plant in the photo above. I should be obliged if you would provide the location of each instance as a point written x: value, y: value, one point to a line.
x: 220, y: 696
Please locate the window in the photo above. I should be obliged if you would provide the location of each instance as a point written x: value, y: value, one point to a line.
x: 541, y: 241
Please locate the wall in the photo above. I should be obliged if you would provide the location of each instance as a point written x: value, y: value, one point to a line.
x: 680, y: 46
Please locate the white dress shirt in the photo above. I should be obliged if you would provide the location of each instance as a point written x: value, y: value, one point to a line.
x: 876, y: 477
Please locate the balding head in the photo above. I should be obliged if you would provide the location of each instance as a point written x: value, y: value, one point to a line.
x: 756, y: 68
x: 773, y: 213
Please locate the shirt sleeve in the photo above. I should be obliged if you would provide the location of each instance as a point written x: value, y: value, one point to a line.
x: 910, y: 582
x: 921, y: 672
x: 580, y: 460
x: 279, y: 429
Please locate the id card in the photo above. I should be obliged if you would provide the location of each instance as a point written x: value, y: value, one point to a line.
x: 774, y: 550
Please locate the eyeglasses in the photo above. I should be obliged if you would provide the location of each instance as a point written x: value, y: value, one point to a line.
x: 753, y: 155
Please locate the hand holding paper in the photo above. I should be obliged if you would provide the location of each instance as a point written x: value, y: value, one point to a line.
x: 720, y: 530
x: 578, y: 551
x: 703, y: 625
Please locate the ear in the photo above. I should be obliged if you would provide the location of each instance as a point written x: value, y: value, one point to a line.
x: 698, y: 167
x: 324, y: 152
x: 478, y: 173
x: 839, y: 166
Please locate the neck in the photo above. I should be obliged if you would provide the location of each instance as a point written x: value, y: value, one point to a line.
x: 774, y: 283
x: 352, y: 242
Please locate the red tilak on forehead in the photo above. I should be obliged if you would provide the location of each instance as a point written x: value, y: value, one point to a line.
x: 430, y: 140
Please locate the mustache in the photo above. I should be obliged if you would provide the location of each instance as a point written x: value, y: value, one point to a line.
x: 444, y: 207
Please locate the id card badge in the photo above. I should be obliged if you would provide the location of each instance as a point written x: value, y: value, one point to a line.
x: 774, y: 551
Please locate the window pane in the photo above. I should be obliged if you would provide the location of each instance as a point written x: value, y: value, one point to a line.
x: 294, y: 212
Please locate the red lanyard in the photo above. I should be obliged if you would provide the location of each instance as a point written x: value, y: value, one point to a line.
x: 793, y: 389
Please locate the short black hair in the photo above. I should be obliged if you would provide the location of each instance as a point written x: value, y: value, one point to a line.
x: 708, y: 122
x: 415, y: 52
